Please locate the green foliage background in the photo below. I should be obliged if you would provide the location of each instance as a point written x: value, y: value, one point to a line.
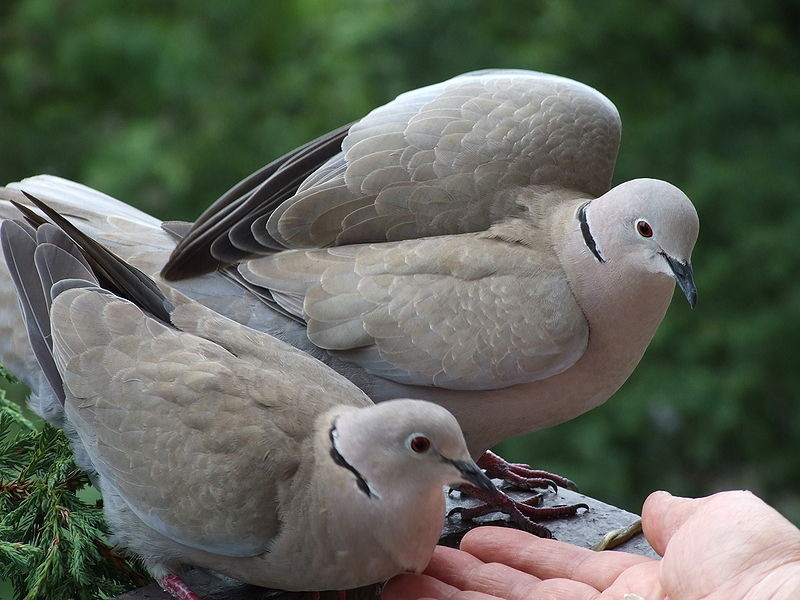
x: 167, y: 104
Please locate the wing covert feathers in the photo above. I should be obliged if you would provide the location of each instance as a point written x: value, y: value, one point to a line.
x: 435, y: 161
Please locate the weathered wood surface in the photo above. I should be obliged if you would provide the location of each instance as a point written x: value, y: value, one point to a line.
x: 587, y: 529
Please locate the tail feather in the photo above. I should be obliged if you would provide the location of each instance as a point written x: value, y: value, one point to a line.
x: 50, y: 234
x: 19, y: 245
x: 115, y: 274
x: 45, y: 261
x: 54, y: 264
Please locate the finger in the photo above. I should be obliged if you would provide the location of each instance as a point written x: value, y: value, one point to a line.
x: 548, y: 559
x: 407, y: 586
x: 465, y: 572
x: 564, y: 589
x: 663, y: 514
x: 419, y: 587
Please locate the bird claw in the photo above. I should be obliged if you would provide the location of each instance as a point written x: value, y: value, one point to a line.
x: 522, y: 513
x: 522, y: 476
x: 524, y: 522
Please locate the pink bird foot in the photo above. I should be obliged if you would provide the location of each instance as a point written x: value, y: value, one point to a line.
x: 177, y: 588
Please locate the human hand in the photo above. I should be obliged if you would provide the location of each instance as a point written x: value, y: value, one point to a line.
x: 729, y: 546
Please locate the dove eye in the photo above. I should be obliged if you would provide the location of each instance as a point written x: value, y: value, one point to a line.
x: 418, y: 443
x: 644, y: 229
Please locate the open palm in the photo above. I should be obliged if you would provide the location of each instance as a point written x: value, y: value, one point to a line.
x: 730, y: 546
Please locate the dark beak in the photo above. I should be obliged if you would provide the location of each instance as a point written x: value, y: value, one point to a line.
x: 472, y: 474
x: 685, y: 278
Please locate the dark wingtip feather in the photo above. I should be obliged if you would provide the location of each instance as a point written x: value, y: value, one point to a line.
x: 183, y: 268
x: 31, y: 217
x: 114, y: 274
x: 277, y: 181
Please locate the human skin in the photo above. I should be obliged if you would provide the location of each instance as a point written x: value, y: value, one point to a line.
x: 729, y: 546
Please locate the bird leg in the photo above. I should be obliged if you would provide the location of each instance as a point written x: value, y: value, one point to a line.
x: 522, y: 513
x: 177, y: 588
x: 520, y: 475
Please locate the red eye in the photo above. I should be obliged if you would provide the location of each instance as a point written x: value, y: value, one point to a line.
x: 419, y: 444
x: 644, y: 229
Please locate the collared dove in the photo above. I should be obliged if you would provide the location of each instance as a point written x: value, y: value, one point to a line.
x: 475, y: 256
x: 222, y: 447
x: 462, y: 242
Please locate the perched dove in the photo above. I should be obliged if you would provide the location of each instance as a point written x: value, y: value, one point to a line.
x: 460, y: 244
x: 218, y: 446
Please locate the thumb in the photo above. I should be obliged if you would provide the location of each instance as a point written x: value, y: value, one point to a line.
x: 662, y: 515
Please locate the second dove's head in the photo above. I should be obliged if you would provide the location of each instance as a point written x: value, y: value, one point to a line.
x: 645, y: 224
x: 414, y: 443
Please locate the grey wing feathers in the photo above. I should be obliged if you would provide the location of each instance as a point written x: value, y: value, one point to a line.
x: 55, y: 265
x: 433, y: 312
x: 46, y: 261
x: 18, y: 247
x: 435, y: 161
x: 152, y: 406
x: 113, y: 273
x: 37, y: 260
x: 240, y: 206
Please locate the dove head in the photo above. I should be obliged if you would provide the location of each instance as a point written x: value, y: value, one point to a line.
x: 409, y: 442
x: 646, y: 225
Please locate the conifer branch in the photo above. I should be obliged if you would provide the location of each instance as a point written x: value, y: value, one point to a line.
x: 52, y: 542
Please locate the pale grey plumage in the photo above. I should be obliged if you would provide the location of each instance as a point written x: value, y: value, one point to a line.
x: 505, y: 297
x: 216, y: 445
x: 468, y: 221
x: 437, y: 160
x: 376, y: 301
x: 525, y: 306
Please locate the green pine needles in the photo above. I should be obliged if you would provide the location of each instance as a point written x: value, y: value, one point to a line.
x: 52, y: 531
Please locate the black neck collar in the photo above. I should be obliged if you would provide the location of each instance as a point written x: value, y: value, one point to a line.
x: 342, y: 462
x: 587, y: 234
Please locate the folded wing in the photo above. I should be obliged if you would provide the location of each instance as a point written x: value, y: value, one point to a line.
x: 460, y: 312
x: 434, y: 161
